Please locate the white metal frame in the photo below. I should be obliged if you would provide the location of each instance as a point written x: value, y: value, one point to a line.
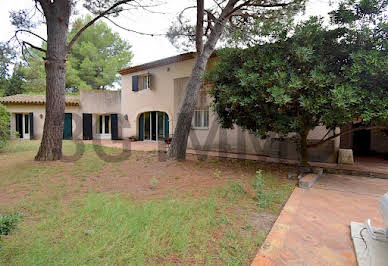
x: 202, y: 118
x: 144, y: 80
x: 25, y: 135
x: 103, y: 135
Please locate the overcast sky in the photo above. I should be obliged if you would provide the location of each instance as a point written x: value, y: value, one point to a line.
x: 145, y: 48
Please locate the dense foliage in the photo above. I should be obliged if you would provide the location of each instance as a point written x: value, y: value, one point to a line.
x: 7, y: 56
x: 16, y: 83
x: 4, y: 126
x: 8, y: 222
x: 92, y: 63
x: 316, y: 76
x: 96, y: 56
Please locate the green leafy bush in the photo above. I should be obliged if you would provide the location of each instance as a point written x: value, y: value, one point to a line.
x: 262, y: 197
x: 8, y: 222
x: 154, y: 182
x: 4, y: 126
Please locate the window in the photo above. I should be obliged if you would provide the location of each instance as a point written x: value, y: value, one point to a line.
x: 103, y: 124
x: 141, y: 82
x: 26, y: 124
x: 23, y: 125
x: 201, y: 119
x: 161, y: 122
x: 153, y: 126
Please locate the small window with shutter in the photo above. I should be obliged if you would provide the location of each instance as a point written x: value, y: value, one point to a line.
x: 141, y: 82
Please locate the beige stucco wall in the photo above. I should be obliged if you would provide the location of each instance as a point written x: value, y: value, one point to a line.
x: 94, y: 102
x: 159, y: 98
x: 39, y: 116
x: 166, y: 94
x: 101, y: 102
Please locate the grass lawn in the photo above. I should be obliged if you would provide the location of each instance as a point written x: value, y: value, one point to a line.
x: 136, y: 211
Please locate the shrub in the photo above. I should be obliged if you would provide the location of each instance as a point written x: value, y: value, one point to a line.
x: 154, y: 182
x: 262, y: 197
x: 4, y: 126
x: 8, y: 222
x: 217, y: 173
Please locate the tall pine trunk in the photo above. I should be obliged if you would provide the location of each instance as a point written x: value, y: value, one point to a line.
x: 182, y: 129
x: 57, y: 20
x: 178, y: 145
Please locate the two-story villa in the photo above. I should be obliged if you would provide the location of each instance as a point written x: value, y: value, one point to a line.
x: 147, y: 108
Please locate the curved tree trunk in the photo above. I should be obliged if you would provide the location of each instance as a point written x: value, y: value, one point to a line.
x: 178, y: 145
x: 57, y: 20
x: 182, y: 129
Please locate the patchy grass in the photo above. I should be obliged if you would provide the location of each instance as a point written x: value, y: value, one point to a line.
x: 134, y: 211
x: 107, y: 229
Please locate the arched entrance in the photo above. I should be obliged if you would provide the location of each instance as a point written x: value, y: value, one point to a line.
x: 153, y: 126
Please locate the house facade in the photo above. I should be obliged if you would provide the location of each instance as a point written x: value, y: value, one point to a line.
x: 91, y: 115
x: 156, y: 89
x: 147, y: 107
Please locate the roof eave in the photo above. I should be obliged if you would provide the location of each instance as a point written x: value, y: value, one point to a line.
x: 157, y: 63
x: 35, y: 103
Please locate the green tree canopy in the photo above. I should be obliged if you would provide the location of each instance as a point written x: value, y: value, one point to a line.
x: 4, y: 126
x: 7, y: 56
x: 34, y: 73
x: 317, y: 76
x: 92, y: 63
x: 97, y: 55
x: 16, y: 83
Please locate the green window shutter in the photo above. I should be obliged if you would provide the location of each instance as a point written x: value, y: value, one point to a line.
x: 166, y: 126
x: 141, y: 125
x: 31, y: 125
x: 87, y: 126
x: 115, y: 126
x: 67, y: 126
x: 135, y: 83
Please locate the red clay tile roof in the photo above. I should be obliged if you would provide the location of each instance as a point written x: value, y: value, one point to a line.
x: 157, y: 63
x: 35, y: 99
x: 160, y: 62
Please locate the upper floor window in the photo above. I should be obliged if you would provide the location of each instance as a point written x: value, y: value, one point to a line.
x: 141, y: 82
x: 201, y: 119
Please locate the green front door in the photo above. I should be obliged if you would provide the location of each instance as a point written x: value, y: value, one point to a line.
x: 67, y: 128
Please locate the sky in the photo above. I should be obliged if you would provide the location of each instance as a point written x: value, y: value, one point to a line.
x: 145, y: 48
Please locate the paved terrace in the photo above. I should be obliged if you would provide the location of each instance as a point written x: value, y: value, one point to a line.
x: 313, y: 227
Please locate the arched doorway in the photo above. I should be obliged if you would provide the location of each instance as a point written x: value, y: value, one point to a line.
x: 153, y: 126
